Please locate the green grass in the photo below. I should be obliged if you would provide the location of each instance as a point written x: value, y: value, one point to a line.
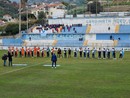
x: 75, y: 78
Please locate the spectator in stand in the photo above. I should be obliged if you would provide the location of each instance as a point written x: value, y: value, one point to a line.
x: 109, y: 28
x: 64, y: 28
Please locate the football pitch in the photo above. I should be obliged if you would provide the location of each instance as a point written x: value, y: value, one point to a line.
x: 74, y: 78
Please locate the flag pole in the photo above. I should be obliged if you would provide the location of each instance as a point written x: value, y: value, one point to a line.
x: 19, y: 16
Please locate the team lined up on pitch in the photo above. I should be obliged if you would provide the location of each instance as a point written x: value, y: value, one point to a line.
x: 66, y: 52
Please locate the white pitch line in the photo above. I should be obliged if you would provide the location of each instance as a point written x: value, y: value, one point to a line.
x: 50, y: 65
x: 19, y: 64
x: 19, y: 69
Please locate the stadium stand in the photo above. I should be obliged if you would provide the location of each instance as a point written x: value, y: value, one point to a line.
x: 69, y: 43
x: 102, y: 28
x: 12, y: 41
x: 75, y: 35
x: 39, y: 42
x: 100, y: 43
x: 124, y: 29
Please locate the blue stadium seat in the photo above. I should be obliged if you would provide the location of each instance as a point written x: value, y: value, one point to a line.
x: 124, y: 29
x: 69, y: 43
x: 12, y: 42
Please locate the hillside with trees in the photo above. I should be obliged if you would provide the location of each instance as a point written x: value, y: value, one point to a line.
x: 7, y: 7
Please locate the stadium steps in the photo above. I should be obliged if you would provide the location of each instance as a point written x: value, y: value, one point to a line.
x: 34, y: 28
x: 88, y: 29
x: 117, y: 28
x: 54, y: 42
x: 85, y: 43
x: 24, y: 43
x: 115, y: 43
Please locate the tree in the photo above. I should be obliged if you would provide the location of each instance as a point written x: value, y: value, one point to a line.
x: 30, y: 16
x: 75, y: 13
x: 42, y: 15
x: 24, y: 2
x: 41, y: 18
x: 95, y: 7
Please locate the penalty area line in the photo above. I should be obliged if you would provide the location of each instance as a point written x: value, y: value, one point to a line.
x: 19, y: 69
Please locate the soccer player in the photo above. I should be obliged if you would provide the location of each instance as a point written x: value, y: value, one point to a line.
x: 113, y: 53
x: 38, y: 52
x: 42, y: 52
x: 85, y: 52
x: 80, y: 51
x: 26, y: 52
x: 65, y: 53
x: 93, y: 52
x: 69, y: 53
x: 16, y: 52
x: 75, y: 52
x: 22, y: 51
x: 120, y: 56
x: 108, y: 53
x: 10, y: 57
x: 104, y: 53
x: 99, y: 53
x: 88, y: 53
x: 48, y: 52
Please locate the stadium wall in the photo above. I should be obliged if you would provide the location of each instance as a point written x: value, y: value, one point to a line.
x: 85, y: 21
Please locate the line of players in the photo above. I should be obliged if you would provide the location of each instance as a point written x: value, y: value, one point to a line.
x: 82, y: 52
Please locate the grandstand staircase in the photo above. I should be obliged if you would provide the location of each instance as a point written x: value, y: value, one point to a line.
x: 88, y: 29
x: 117, y: 28
x: 85, y: 43
x: 24, y: 43
x: 54, y: 42
x: 115, y: 43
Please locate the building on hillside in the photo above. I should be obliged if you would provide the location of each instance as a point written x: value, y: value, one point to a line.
x: 37, y: 9
x: 56, y: 10
x: 9, y: 18
x: 118, y: 1
x: 2, y: 22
